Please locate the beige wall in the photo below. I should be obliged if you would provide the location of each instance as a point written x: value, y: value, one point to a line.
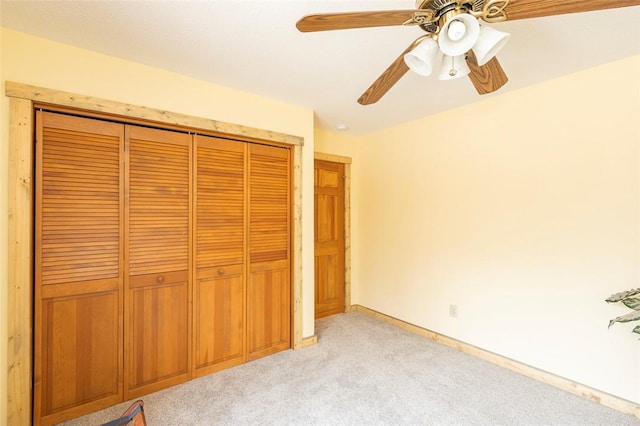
x: 336, y: 143
x: 523, y: 210
x: 34, y: 61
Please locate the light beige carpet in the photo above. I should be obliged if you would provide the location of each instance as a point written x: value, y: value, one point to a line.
x: 366, y: 372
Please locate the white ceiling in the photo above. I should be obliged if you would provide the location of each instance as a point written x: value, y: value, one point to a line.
x: 253, y: 45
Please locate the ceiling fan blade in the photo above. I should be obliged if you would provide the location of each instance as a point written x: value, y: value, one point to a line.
x: 387, y: 79
x: 488, y: 77
x: 341, y: 21
x: 524, y: 9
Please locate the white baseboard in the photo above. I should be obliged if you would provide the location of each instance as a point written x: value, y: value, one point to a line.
x: 567, y: 385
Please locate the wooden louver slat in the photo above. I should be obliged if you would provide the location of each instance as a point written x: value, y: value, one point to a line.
x: 220, y: 209
x: 158, y: 206
x: 269, y: 219
x: 80, y: 206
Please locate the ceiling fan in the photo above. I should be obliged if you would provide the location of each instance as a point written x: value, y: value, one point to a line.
x: 453, y: 32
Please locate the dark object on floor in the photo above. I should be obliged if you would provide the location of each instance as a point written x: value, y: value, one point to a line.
x: 135, y: 414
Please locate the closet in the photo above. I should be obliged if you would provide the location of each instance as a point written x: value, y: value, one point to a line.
x: 160, y: 255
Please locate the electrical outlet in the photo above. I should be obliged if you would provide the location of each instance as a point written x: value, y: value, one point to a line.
x: 453, y: 311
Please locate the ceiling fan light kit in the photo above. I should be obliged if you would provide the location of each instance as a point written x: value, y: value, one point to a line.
x: 458, y: 34
x: 453, y: 67
x: 485, y: 41
x: 422, y: 58
x: 489, y: 44
x: 453, y: 31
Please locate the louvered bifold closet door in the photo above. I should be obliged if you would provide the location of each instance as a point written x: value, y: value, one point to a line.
x: 78, y: 272
x: 157, y: 315
x: 268, y: 289
x: 219, y: 293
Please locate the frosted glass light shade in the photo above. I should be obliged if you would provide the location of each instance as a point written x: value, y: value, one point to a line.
x: 489, y: 44
x: 453, y: 67
x: 456, y: 30
x: 423, y: 57
x: 465, y: 38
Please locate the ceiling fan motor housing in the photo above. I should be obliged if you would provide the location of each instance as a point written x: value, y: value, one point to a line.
x: 443, y: 6
x: 445, y: 10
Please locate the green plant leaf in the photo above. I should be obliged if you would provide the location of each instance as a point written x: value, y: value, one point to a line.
x: 623, y: 294
x: 632, y: 302
x: 631, y: 316
x: 636, y: 329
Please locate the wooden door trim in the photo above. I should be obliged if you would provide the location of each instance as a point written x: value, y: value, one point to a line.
x: 20, y: 288
x: 347, y: 220
x: 104, y: 106
x: 20, y: 221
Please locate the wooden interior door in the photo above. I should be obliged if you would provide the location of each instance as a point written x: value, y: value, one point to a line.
x: 268, y: 288
x: 78, y: 275
x: 220, y: 235
x: 157, y: 259
x: 329, y: 238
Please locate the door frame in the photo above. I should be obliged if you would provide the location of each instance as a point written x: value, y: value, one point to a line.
x: 347, y: 221
x: 22, y: 98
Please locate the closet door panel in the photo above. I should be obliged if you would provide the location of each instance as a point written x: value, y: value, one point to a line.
x: 219, y: 320
x: 268, y: 300
x: 220, y: 235
x: 80, y: 335
x: 159, y: 342
x: 158, y: 259
x: 268, y: 307
x: 78, y: 272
